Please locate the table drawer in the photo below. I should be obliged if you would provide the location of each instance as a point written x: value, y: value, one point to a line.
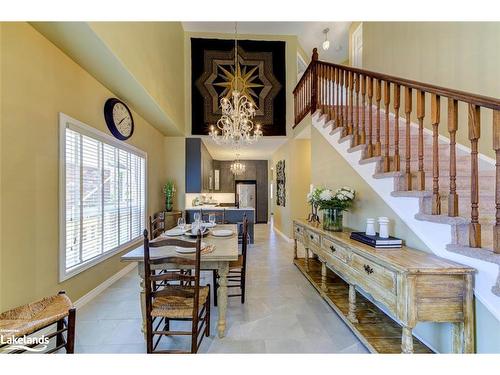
x: 298, y: 232
x: 313, y: 237
x: 335, y: 249
x: 374, y: 272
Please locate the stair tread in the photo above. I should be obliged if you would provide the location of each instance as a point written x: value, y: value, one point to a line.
x: 442, y: 219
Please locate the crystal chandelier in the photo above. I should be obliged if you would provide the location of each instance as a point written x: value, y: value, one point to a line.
x: 237, y: 168
x: 235, y: 125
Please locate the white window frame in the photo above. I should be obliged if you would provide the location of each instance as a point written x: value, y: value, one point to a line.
x: 65, y: 122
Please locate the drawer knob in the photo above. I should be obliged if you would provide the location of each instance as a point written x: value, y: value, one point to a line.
x: 312, y: 237
x: 368, y: 269
x: 332, y: 248
x: 298, y: 229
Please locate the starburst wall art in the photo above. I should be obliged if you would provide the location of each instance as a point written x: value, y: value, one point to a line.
x: 259, y: 74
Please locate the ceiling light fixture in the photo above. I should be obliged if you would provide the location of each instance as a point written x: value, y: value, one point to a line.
x: 326, y: 43
x: 236, y: 123
x: 237, y: 167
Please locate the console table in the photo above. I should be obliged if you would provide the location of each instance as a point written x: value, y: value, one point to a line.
x: 413, y: 285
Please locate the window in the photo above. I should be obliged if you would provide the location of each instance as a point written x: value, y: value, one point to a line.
x: 103, y: 195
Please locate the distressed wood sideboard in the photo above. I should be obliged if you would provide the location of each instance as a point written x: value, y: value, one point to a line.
x: 413, y: 285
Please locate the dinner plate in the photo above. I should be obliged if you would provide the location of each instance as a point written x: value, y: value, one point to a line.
x: 175, y: 232
x: 204, y: 233
x: 189, y: 250
x: 222, y: 233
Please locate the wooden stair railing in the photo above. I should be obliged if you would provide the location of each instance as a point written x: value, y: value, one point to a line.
x: 332, y: 88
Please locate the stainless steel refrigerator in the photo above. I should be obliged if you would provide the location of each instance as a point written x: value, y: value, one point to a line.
x: 246, y: 194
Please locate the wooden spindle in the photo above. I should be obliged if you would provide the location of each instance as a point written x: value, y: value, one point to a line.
x: 408, y: 99
x: 346, y: 107
x: 420, y: 117
x: 362, y: 135
x: 337, y: 98
x: 341, y: 77
x: 314, y: 87
x: 397, y: 158
x: 496, y: 147
x: 435, y: 117
x: 378, y: 96
x: 369, y: 148
x: 452, y: 129
x: 474, y: 134
x: 330, y: 89
x: 356, y: 124
x: 387, y: 101
x: 350, y: 128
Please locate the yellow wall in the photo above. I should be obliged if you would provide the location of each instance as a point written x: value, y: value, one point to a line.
x: 329, y: 169
x: 38, y: 82
x: 458, y: 55
x: 153, y: 53
x: 175, y: 167
x: 297, y: 156
x: 291, y: 69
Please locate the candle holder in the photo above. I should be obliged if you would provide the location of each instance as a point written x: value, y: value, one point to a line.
x: 313, y: 216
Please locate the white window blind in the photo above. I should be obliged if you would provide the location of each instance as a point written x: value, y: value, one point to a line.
x: 104, y: 196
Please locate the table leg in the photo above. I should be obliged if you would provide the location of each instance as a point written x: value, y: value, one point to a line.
x: 323, y: 275
x: 351, y: 315
x: 222, y: 297
x: 407, y: 340
x: 140, y: 271
x: 295, y: 249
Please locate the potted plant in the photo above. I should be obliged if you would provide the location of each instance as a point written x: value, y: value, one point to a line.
x: 333, y: 204
x: 169, y: 191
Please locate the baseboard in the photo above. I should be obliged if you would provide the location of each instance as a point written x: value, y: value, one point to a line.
x: 287, y: 239
x: 82, y: 301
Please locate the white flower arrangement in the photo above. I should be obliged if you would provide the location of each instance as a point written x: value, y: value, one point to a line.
x: 325, y: 198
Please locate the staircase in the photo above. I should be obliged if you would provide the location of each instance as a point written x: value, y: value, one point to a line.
x: 447, y: 193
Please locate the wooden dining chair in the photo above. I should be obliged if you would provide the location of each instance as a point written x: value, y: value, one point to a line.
x: 26, y: 320
x: 236, y: 277
x: 189, y: 302
x: 219, y: 216
x: 156, y: 224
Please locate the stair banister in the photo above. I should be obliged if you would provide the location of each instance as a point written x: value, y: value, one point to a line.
x: 324, y: 86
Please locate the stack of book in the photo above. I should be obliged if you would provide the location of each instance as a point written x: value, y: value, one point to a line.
x: 376, y: 241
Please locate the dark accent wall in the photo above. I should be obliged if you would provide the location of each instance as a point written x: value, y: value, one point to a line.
x: 255, y: 170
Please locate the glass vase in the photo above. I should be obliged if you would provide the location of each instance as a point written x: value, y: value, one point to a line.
x: 333, y: 219
x: 168, y: 204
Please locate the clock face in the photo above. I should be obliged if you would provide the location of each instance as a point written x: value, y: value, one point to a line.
x: 122, y: 119
x: 119, y: 119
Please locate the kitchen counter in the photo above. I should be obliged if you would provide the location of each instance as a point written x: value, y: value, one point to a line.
x: 232, y: 215
x: 218, y: 208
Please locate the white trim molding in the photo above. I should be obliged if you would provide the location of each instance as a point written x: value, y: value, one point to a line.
x: 82, y: 301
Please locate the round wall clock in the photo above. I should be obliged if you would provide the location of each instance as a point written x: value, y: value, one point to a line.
x: 119, y: 119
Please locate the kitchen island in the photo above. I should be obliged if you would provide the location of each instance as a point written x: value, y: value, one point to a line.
x: 232, y: 215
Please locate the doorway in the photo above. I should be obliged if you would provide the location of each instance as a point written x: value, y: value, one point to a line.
x: 357, y: 47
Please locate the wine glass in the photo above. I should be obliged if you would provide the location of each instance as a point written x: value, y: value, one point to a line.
x: 181, y: 223
x: 197, y: 216
x: 211, y: 220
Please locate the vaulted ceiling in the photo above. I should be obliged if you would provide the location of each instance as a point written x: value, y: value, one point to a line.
x: 309, y: 34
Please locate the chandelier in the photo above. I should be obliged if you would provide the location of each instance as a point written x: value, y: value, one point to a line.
x: 237, y: 168
x: 235, y: 125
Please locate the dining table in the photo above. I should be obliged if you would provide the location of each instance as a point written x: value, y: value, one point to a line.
x: 225, y: 250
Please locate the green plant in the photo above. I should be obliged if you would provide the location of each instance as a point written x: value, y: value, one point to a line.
x: 169, y: 192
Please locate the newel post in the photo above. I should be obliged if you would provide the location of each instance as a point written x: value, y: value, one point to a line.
x: 315, y: 79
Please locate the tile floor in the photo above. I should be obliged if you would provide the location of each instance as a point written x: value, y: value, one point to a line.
x: 282, y: 312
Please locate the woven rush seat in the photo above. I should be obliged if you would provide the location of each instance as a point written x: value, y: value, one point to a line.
x: 179, y: 307
x: 26, y: 319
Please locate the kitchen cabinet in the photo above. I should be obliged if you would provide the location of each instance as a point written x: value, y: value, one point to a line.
x: 199, y: 167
